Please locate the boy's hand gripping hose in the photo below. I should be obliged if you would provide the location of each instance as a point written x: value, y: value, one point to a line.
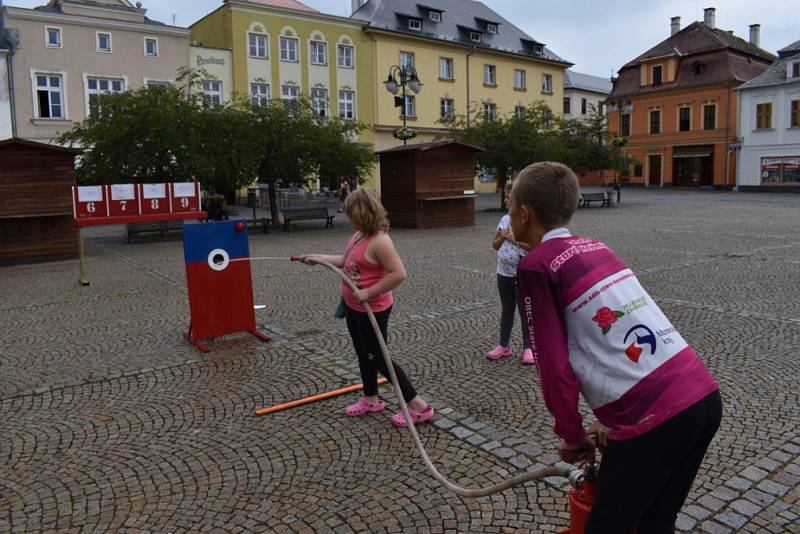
x: 455, y: 488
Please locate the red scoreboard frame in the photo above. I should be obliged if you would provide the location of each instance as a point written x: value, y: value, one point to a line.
x: 95, y: 205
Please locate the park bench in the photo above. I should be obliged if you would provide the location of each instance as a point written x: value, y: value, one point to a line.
x: 161, y: 227
x: 305, y: 214
x: 603, y: 198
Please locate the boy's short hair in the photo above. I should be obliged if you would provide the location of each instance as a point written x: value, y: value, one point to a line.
x: 365, y: 210
x: 551, y: 189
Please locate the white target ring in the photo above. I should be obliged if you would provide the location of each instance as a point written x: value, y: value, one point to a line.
x: 218, y: 259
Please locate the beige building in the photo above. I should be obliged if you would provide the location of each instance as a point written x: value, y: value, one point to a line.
x: 215, y: 67
x: 70, y: 50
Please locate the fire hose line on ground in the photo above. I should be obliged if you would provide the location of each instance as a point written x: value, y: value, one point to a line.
x: 573, y: 474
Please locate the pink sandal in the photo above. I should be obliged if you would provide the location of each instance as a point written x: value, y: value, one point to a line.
x: 417, y: 417
x: 364, y: 406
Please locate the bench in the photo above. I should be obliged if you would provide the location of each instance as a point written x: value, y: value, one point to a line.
x: 161, y: 227
x: 603, y: 198
x: 306, y: 214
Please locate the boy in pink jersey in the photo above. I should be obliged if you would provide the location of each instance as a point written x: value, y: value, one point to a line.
x: 593, y: 329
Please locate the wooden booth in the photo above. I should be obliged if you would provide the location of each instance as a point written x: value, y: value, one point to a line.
x: 36, y: 220
x: 429, y: 185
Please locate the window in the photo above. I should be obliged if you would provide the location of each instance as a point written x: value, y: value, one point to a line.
x: 684, y: 119
x: 257, y: 45
x: 49, y: 96
x: 625, y: 125
x: 519, y: 79
x: 290, y: 92
x: 259, y: 94
x: 415, y: 25
x: 655, y: 121
x: 796, y: 69
x: 490, y: 111
x: 519, y: 112
x: 547, y: 83
x: 52, y: 37
x: 104, y: 42
x: 491, y: 28
x: 475, y: 36
x: 637, y: 170
x: 538, y: 49
x: 490, y: 75
x: 99, y: 86
x: 347, y: 109
x: 583, y: 106
x: 780, y: 171
x: 658, y: 72
x: 406, y: 59
x: 151, y: 47
x: 445, y: 68
x: 447, y: 110
x: 600, y: 109
x: 160, y: 84
x: 763, y: 116
x: 435, y: 16
x: 547, y: 116
x: 319, y: 53
x: 344, y: 56
x: 319, y: 101
x: 288, y: 49
x: 709, y: 116
x: 794, y: 116
x: 410, y: 107
x: 212, y: 92
x: 567, y: 105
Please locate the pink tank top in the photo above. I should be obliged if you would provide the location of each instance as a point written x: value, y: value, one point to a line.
x: 365, y: 274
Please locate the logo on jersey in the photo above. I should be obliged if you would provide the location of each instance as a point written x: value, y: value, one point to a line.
x: 606, y: 317
x: 644, y: 336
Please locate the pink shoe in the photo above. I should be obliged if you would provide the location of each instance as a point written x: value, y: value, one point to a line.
x: 527, y: 357
x: 417, y: 417
x: 364, y: 406
x: 499, y: 352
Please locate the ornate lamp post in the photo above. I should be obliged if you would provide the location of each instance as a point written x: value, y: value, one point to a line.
x: 398, y: 79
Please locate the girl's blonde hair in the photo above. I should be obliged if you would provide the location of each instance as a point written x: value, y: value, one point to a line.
x: 366, y: 212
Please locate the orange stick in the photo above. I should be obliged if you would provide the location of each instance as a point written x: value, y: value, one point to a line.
x: 313, y: 398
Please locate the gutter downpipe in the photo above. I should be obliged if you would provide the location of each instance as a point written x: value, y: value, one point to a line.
x: 10, y: 67
x: 474, y: 49
x: 727, y: 134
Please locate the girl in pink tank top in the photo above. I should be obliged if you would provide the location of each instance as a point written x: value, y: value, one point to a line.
x: 372, y: 262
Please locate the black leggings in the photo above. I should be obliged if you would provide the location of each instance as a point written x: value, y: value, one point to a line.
x: 370, y: 357
x: 644, y: 481
x: 507, y: 286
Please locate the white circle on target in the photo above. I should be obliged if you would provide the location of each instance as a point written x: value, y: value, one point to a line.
x: 218, y: 259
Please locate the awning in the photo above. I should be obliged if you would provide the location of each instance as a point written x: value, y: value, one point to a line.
x: 692, y: 155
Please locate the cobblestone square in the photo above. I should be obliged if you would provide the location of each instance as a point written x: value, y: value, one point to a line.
x: 111, y: 422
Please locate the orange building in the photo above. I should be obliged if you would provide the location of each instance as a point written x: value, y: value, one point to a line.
x: 676, y: 107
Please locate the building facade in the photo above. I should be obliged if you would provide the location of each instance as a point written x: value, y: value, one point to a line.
x: 215, y: 69
x: 584, y: 95
x: 769, y: 126
x: 6, y: 129
x: 676, y: 105
x: 70, y: 50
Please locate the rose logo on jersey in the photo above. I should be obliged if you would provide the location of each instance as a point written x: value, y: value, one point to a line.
x: 644, y: 336
x: 606, y: 317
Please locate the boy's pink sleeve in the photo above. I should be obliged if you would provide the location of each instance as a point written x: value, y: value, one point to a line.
x: 544, y: 325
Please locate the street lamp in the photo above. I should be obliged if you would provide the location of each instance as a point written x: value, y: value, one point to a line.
x: 396, y: 82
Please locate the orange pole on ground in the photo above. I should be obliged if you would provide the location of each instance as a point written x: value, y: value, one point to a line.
x: 313, y: 398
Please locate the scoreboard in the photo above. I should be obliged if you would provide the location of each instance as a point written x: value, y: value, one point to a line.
x: 130, y: 203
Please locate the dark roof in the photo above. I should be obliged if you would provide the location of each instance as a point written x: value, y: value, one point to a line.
x: 35, y: 144
x: 430, y: 146
x: 459, y: 17
x: 774, y: 75
x: 790, y: 50
x: 706, y: 56
x: 54, y: 9
x: 586, y: 82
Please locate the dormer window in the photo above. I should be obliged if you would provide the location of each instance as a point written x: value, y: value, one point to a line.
x: 658, y: 74
x: 697, y: 68
x: 475, y: 37
x: 415, y: 25
x: 435, y: 16
x: 538, y: 49
x: 491, y: 28
x: 796, y: 69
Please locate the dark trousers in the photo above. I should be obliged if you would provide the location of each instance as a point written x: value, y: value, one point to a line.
x: 370, y: 357
x: 507, y: 286
x: 644, y: 481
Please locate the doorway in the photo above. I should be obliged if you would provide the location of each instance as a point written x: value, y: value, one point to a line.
x: 654, y: 171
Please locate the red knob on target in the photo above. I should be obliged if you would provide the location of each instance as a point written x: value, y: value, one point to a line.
x: 239, y: 227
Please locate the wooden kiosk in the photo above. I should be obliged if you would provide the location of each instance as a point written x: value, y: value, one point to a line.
x: 36, y: 222
x: 429, y: 185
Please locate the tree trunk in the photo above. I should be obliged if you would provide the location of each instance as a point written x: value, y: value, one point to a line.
x: 273, y: 203
x: 502, y: 179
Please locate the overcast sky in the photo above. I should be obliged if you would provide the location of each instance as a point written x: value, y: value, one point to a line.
x: 597, y: 36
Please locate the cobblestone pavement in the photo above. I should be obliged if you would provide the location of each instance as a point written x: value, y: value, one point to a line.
x: 110, y: 421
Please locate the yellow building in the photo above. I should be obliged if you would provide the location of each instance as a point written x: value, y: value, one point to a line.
x: 285, y: 49
x: 464, y: 54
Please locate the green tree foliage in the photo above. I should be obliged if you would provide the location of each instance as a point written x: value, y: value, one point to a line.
x: 587, y: 145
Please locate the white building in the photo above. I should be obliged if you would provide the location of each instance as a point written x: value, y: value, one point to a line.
x: 769, y: 126
x: 584, y: 93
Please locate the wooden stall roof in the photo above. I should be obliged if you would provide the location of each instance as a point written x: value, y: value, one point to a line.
x: 430, y: 146
x: 36, y: 144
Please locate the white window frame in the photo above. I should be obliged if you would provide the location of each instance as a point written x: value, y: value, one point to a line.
x: 410, y: 106
x: 584, y: 105
x: 88, y: 92
x: 62, y: 94
x: 547, y: 83
x: 446, y: 68
x: 317, y: 99
x: 491, y: 28
x: 567, y: 105
x: 97, y: 42
x: 520, y: 79
x: 156, y: 82
x: 144, y: 43
x: 406, y: 56
x: 489, y: 74
x: 415, y: 25
x: 209, y: 94
x: 250, y: 45
x: 435, y: 16
x: 47, y: 37
x: 287, y: 90
x: 258, y: 97
x: 311, y: 53
x: 345, y: 102
x: 475, y: 37
x: 340, y: 56
x: 519, y: 111
x: 447, y: 108
x: 285, y: 50
x: 487, y: 106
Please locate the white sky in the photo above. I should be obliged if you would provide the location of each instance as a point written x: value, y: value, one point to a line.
x: 598, y: 36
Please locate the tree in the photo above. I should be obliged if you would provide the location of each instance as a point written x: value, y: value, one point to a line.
x: 339, y: 155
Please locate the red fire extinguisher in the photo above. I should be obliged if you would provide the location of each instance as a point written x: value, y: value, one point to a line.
x: 581, y: 496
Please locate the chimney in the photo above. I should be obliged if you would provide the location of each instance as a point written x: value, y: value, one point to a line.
x: 709, y: 16
x: 675, y: 25
x: 755, y: 35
